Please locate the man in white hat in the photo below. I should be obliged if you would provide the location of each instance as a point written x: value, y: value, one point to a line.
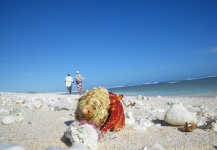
x: 78, y: 79
x: 69, y: 81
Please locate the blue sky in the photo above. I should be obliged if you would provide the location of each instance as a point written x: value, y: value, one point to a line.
x: 111, y: 42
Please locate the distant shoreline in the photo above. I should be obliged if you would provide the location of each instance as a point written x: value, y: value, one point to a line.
x: 76, y: 94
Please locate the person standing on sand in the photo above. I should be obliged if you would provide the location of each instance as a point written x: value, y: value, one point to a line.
x: 78, y: 79
x: 69, y: 81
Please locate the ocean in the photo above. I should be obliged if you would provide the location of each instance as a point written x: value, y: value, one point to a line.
x: 192, y: 87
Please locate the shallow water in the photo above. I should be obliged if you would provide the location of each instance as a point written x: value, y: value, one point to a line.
x: 194, y: 86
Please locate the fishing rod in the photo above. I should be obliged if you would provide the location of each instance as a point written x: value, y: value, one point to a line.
x: 95, y: 73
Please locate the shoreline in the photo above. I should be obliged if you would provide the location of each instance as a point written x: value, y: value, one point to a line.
x: 75, y: 93
x: 47, y: 116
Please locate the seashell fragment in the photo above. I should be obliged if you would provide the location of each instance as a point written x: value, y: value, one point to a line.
x: 154, y: 116
x: 145, y: 122
x: 38, y: 104
x: 10, y: 146
x: 156, y: 146
x: 179, y: 115
x: 129, y: 119
x: 15, y: 116
x: 84, y: 132
x: 214, y: 127
x: 12, y: 119
x: 139, y: 97
x: 159, y: 97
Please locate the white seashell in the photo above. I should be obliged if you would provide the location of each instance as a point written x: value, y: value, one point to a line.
x: 139, y: 97
x: 159, y: 97
x: 129, y: 120
x: 145, y: 98
x: 85, y: 134
x: 10, y: 146
x: 179, y: 115
x: 158, y: 125
x: 12, y: 119
x: 214, y: 127
x: 201, y: 123
x: 160, y: 110
x: 145, y: 122
x: 38, y: 104
x: 52, y: 108
x: 156, y: 146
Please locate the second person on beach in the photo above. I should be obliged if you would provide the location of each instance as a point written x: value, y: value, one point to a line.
x: 78, y: 79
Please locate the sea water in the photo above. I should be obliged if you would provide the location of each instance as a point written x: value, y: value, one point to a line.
x: 193, y: 86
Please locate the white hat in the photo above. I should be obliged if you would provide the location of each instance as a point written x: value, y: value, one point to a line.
x: 77, y: 71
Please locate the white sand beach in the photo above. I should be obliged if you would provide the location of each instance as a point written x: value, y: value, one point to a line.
x: 46, y: 116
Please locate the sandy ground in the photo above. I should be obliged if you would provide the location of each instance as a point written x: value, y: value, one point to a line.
x: 45, y: 126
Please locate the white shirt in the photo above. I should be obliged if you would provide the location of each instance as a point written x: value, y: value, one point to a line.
x: 69, y: 81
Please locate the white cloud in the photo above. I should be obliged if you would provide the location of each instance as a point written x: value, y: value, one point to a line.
x: 214, y: 50
x: 28, y: 74
x: 208, y: 50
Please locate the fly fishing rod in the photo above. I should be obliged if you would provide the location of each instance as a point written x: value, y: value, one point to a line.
x: 94, y: 74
